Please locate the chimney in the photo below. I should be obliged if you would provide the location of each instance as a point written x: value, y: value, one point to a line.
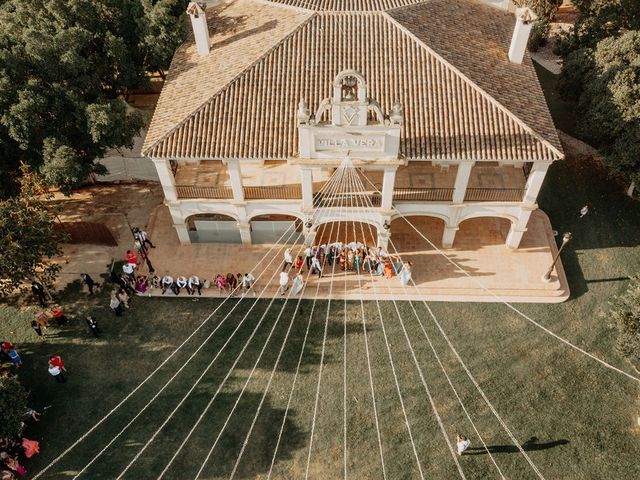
x: 524, y: 21
x: 196, y: 11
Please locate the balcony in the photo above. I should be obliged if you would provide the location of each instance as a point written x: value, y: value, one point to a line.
x: 417, y: 182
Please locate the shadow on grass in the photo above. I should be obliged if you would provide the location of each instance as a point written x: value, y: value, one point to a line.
x: 530, y: 445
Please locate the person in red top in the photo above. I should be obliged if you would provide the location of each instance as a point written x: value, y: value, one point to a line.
x: 59, y: 315
x: 131, y: 257
x: 6, y: 346
x: 56, y: 361
x: 298, y: 263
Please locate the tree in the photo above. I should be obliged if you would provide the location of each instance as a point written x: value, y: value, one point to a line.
x: 605, y: 83
x: 13, y: 404
x: 65, y: 66
x: 165, y: 30
x: 600, y: 19
x: 625, y: 317
x: 28, y: 236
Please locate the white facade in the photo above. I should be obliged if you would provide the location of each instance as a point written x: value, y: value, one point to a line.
x: 351, y: 124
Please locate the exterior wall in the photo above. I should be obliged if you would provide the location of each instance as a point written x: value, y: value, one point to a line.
x: 452, y: 213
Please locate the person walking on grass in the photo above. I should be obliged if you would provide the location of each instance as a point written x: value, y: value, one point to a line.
x: 92, y: 324
x: 57, y: 368
x: 115, y: 304
x: 89, y: 282
x: 284, y: 282
x: 462, y: 442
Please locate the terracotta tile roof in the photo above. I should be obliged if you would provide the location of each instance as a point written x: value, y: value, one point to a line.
x: 247, y: 89
x: 347, y: 5
x: 475, y: 40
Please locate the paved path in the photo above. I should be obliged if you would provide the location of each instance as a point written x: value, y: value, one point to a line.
x: 479, y: 249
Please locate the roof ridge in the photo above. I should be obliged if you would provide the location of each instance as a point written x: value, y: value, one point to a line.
x: 228, y: 85
x: 471, y: 83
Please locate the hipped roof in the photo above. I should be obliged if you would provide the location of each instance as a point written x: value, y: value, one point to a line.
x: 444, y: 60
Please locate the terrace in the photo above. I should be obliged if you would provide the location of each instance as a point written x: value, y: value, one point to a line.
x: 417, y: 182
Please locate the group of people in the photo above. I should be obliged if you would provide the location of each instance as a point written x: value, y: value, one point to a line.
x: 14, y: 450
x: 350, y: 257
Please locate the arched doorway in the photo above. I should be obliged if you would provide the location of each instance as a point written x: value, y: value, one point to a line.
x: 483, y: 230
x: 405, y: 238
x: 275, y: 228
x: 346, y: 232
x: 213, y: 228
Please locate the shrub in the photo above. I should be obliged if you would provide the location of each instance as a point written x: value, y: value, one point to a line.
x: 13, y: 404
x: 625, y: 317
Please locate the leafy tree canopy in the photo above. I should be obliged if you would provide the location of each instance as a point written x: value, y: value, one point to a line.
x: 605, y: 83
x: 28, y: 237
x: 599, y: 19
x: 13, y: 405
x: 64, y: 68
x: 625, y: 317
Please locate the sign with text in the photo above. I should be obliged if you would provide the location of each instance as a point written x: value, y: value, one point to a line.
x: 349, y: 142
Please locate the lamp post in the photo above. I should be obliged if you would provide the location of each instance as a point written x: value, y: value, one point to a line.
x: 565, y: 239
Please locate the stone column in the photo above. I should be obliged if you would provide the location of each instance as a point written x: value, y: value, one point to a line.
x: 388, y: 184
x: 449, y: 235
x: 517, y: 230
x: 383, y: 238
x: 245, y: 232
x: 462, y: 180
x: 534, y: 182
x: 168, y: 182
x: 183, y: 232
x: 235, y: 175
x: 306, y: 174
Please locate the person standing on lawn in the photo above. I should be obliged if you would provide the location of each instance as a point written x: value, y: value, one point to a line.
x: 88, y: 281
x: 462, y: 442
x: 57, y: 368
x: 92, y: 324
x: 115, y: 304
x: 38, y: 329
x: 38, y: 290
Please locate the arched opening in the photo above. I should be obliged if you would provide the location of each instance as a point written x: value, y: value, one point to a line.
x: 406, y: 239
x: 483, y: 230
x: 346, y: 232
x: 275, y: 228
x: 213, y: 228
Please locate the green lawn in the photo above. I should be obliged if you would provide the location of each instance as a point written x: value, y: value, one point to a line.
x: 583, y: 416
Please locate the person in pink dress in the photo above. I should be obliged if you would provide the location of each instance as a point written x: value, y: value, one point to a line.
x: 221, y: 283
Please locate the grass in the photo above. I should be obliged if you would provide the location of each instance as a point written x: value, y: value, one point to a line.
x: 583, y: 416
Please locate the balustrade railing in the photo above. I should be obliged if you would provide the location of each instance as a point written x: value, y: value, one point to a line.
x: 277, y: 192
x: 193, y: 191
x: 494, y: 194
x: 423, y: 194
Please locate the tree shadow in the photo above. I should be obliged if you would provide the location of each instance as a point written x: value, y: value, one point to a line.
x: 531, y: 445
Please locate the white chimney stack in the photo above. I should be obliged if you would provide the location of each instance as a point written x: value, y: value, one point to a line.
x: 196, y: 11
x: 524, y: 21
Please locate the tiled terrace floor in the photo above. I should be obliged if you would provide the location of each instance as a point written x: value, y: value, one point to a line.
x: 479, y: 249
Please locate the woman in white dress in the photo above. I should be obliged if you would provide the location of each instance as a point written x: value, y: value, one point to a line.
x: 405, y: 273
x: 297, y: 285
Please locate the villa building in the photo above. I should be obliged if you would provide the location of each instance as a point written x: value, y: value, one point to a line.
x: 436, y: 102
